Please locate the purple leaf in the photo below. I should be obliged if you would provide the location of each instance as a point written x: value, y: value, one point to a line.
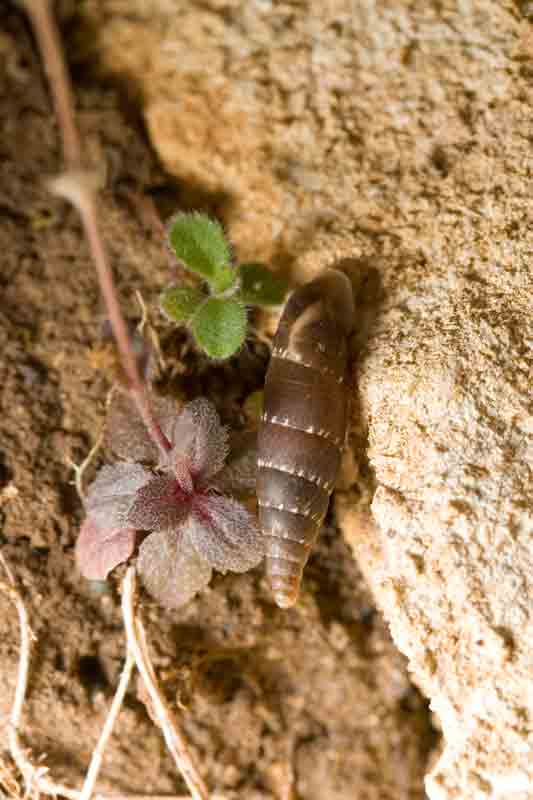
x: 113, y: 491
x: 159, y: 505
x: 224, y: 533
x: 199, y: 439
x: 171, y: 569
x: 100, y: 549
x: 126, y: 433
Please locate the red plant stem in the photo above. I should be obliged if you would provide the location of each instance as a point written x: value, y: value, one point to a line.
x: 49, y: 42
x: 83, y: 197
x: 105, y: 278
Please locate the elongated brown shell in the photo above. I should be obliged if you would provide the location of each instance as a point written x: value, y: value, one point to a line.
x: 303, y: 426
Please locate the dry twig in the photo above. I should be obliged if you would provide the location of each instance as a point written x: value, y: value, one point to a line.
x: 146, y: 325
x: 174, y: 739
x: 116, y: 705
x: 79, y: 469
x: 36, y: 778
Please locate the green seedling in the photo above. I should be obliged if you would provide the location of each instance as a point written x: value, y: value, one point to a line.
x: 217, y: 314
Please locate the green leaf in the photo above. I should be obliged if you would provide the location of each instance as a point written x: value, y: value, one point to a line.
x: 259, y: 287
x: 199, y: 242
x: 179, y: 303
x: 219, y: 327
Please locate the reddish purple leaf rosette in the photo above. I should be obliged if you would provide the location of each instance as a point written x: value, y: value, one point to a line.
x: 193, y: 528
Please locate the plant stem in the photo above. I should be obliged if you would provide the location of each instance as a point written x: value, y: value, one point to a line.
x: 78, y: 187
x: 89, y: 218
x: 174, y: 739
x: 36, y: 778
x: 48, y: 39
x: 99, y: 750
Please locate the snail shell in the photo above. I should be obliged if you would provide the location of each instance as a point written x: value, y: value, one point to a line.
x: 303, y: 427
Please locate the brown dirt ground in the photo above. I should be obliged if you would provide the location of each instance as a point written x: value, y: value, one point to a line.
x: 320, y: 691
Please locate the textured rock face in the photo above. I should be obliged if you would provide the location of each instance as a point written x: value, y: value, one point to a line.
x: 446, y: 388
x: 396, y: 134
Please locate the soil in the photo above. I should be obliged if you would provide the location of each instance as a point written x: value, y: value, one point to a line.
x: 315, y: 700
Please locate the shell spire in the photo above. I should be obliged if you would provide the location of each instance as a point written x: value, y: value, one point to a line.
x: 303, y: 427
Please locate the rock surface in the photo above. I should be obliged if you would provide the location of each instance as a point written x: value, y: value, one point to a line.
x: 446, y: 389
x: 396, y: 134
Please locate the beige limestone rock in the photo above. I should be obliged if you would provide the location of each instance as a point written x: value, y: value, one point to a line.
x: 446, y: 388
x: 396, y: 134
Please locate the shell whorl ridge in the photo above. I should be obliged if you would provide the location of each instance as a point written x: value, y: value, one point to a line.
x: 303, y: 426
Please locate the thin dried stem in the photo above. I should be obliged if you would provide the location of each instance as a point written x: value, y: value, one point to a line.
x: 34, y: 777
x: 26, y: 637
x: 144, y: 312
x: 146, y: 325
x: 79, y: 469
x: 174, y: 739
x: 79, y: 187
x: 116, y: 705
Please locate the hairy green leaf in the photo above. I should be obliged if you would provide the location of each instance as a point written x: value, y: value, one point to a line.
x: 219, y: 327
x: 199, y: 242
x: 179, y: 303
x: 259, y: 287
